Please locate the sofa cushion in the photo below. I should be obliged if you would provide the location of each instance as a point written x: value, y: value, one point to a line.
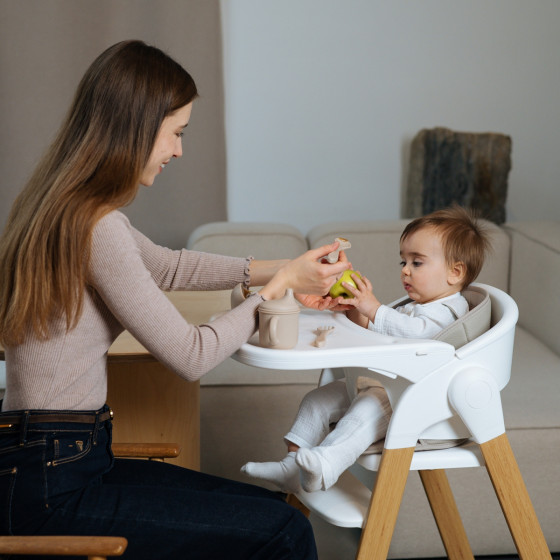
x: 231, y: 372
x: 545, y: 233
x: 530, y: 399
x: 241, y: 239
x: 535, y: 269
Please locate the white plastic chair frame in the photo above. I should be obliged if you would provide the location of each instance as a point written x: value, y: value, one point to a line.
x: 459, y: 399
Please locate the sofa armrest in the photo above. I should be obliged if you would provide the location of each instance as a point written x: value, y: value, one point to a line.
x: 535, y: 269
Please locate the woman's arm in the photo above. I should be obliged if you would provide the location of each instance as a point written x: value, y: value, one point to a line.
x: 119, y: 276
x: 176, y: 270
x: 261, y: 272
x: 187, y: 270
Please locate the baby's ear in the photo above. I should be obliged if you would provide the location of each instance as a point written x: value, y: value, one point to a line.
x: 456, y: 273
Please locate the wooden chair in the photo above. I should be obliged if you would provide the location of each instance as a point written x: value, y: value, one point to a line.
x: 93, y: 547
x: 457, y: 399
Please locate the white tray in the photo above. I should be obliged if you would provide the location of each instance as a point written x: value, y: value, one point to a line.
x: 349, y: 345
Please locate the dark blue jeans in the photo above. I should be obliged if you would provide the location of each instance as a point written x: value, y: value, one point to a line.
x: 61, y: 478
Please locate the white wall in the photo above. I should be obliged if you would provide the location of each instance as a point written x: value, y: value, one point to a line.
x: 324, y: 96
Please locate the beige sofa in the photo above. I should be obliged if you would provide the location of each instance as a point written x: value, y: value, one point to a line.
x: 245, y: 411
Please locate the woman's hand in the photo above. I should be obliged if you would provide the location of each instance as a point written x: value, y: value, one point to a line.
x: 321, y: 303
x: 307, y: 274
x: 326, y: 303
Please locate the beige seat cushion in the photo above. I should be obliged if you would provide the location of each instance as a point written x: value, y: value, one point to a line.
x: 471, y: 325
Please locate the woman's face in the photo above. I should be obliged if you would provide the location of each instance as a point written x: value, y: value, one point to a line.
x: 167, y: 144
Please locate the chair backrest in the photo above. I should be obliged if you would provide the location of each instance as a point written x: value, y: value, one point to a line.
x: 472, y: 324
x: 462, y: 331
x: 440, y: 406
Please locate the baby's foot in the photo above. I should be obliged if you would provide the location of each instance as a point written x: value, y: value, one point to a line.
x: 284, y: 473
x: 311, y: 470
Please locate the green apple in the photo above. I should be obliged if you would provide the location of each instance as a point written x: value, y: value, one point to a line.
x: 337, y: 289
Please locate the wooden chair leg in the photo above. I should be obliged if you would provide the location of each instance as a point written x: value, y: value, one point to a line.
x: 293, y: 500
x: 446, y: 514
x: 514, y: 499
x: 385, y: 503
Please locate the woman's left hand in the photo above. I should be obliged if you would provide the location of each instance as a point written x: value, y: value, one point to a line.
x: 322, y: 303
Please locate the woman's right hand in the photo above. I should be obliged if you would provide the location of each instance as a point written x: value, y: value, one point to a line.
x: 307, y: 274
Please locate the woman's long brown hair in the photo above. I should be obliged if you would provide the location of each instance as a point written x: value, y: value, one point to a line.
x: 92, y: 167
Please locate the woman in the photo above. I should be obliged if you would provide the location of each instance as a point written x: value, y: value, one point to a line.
x: 73, y: 274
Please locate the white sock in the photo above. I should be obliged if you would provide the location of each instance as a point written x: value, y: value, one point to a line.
x: 309, y: 461
x: 365, y: 422
x: 284, y: 473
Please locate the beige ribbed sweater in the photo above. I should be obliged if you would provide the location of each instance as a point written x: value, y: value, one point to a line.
x: 127, y: 275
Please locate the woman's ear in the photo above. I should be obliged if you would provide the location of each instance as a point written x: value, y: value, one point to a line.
x: 456, y: 273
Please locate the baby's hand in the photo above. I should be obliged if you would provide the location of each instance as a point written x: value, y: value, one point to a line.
x: 363, y: 298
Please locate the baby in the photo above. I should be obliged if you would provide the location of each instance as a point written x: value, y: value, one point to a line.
x: 441, y: 254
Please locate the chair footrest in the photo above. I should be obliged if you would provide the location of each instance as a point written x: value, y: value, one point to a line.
x: 345, y: 504
x: 461, y: 457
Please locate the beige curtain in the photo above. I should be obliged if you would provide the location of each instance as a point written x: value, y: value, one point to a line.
x: 46, y: 45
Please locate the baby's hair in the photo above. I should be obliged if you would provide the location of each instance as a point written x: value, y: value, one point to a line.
x: 464, y: 239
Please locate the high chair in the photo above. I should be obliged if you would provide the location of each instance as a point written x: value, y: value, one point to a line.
x: 459, y: 397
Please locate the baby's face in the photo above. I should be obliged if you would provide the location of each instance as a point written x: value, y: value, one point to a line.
x: 425, y: 274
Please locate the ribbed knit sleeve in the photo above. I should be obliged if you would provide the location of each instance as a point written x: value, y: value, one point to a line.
x: 128, y: 272
x: 186, y: 270
x: 126, y: 276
